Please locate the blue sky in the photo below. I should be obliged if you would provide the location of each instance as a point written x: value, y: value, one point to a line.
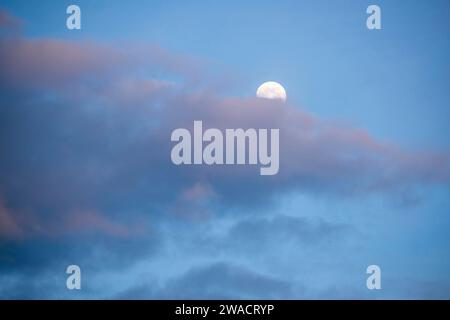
x: 85, y: 175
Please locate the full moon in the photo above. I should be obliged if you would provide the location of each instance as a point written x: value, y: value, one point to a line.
x: 271, y: 90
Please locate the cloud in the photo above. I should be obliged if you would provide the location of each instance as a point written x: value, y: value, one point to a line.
x: 64, y: 65
x: 195, y: 202
x: 86, y: 176
x: 8, y: 226
x: 216, y: 281
x: 257, y: 233
x: 87, y: 221
x: 7, y: 20
x: 29, y: 224
x: 110, y: 138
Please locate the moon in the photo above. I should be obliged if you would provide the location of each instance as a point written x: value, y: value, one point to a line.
x: 271, y: 90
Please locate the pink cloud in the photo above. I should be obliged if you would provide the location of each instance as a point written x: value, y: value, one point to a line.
x: 28, y: 224
x: 90, y: 221
x: 326, y: 155
x: 7, y: 20
x: 59, y: 64
x: 198, y: 191
x: 9, y: 227
x: 315, y: 154
x: 47, y: 62
x: 194, y: 202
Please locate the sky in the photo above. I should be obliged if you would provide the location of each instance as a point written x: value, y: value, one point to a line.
x: 86, y: 176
